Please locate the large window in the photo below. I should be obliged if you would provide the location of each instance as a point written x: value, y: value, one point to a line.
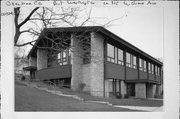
x: 128, y: 59
x: 149, y: 67
x: 155, y: 69
x: 134, y: 62
x: 114, y: 54
x: 131, y: 60
x: 158, y: 71
x: 120, y: 57
x: 63, y: 57
x: 110, y: 53
x: 152, y: 66
x: 142, y: 65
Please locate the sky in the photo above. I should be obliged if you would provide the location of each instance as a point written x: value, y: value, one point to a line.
x: 140, y: 26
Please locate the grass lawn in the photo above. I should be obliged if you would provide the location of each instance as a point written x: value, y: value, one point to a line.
x: 32, y: 99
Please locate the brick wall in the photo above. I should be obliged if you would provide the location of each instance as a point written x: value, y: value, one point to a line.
x: 41, y: 59
x: 97, y: 65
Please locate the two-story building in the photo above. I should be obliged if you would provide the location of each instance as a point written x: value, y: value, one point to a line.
x: 96, y: 57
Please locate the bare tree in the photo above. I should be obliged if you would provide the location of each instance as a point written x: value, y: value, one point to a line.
x: 39, y: 19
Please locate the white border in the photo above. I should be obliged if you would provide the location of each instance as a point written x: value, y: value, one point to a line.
x: 171, y: 74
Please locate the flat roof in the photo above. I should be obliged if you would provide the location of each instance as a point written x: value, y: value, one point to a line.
x: 98, y: 29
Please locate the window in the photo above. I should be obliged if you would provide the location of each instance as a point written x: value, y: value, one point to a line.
x: 140, y: 64
x: 128, y: 60
x: 63, y: 57
x: 152, y: 68
x: 114, y: 55
x: 155, y: 69
x: 131, y: 60
x: 158, y: 71
x: 110, y: 53
x: 120, y: 57
x: 134, y: 62
x: 144, y: 66
x: 149, y: 67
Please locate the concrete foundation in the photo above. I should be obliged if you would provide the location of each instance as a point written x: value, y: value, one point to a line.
x: 140, y: 90
x: 41, y: 59
x: 97, y: 65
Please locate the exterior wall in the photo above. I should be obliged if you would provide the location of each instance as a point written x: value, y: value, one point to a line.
x: 151, y: 77
x: 41, y: 59
x: 131, y: 74
x: 32, y: 61
x: 142, y: 75
x: 151, y: 90
x: 77, y: 63
x: 97, y: 65
x: 86, y: 76
x: 140, y: 90
x: 114, y: 71
x: 54, y: 72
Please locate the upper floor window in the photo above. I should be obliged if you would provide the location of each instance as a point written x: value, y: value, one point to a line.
x: 114, y: 54
x: 158, y: 71
x: 149, y: 67
x: 63, y: 57
x: 120, y: 57
x: 131, y: 60
x: 110, y: 53
x: 140, y: 64
x: 152, y: 66
x: 155, y: 69
x: 144, y: 66
x: 134, y: 62
x: 128, y: 59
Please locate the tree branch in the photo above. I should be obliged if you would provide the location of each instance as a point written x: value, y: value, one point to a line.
x: 28, y: 17
x: 20, y: 45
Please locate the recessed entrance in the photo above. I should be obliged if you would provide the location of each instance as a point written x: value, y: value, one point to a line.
x: 131, y: 89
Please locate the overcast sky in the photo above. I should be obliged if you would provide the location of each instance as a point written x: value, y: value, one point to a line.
x: 140, y: 26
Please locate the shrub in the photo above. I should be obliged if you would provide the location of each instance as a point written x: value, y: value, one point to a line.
x: 23, y: 78
x: 126, y: 96
x: 119, y: 96
x: 81, y: 86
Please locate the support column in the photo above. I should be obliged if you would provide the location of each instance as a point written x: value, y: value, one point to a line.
x: 77, y: 63
x: 41, y: 59
x: 32, y: 61
x: 97, y: 65
x: 151, y: 90
x: 123, y: 88
x: 140, y: 90
x: 106, y: 88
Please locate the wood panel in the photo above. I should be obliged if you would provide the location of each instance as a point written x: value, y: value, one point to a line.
x: 54, y: 72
